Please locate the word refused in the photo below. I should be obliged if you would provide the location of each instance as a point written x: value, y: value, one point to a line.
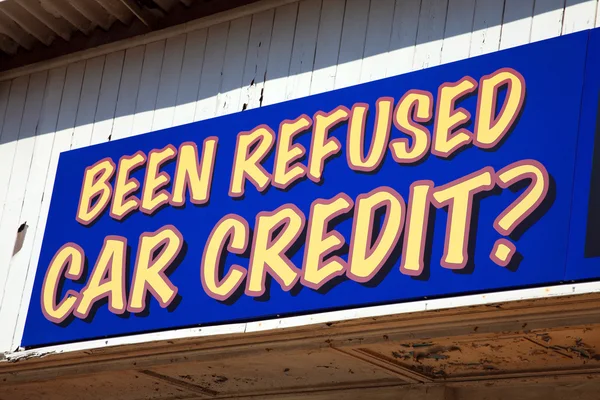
x: 412, y: 111
x: 276, y: 232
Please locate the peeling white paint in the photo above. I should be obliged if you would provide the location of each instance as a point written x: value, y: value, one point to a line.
x: 320, y: 318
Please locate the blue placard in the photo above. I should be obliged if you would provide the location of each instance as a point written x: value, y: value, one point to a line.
x: 584, y: 242
x: 451, y: 180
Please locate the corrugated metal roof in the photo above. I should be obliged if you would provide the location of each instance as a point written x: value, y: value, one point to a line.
x: 23, y: 23
x: 36, y: 30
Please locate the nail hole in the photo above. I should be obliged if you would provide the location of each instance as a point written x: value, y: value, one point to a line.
x: 20, y: 237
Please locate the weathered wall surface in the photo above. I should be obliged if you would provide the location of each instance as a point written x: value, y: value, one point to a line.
x: 254, y: 59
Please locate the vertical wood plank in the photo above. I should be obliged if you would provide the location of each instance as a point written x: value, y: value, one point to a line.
x: 149, y: 80
x: 169, y: 83
x: 280, y: 52
x: 328, y: 46
x: 487, y: 26
x: 107, y: 100
x: 459, y: 25
x: 257, y: 57
x: 189, y: 82
x: 579, y: 15
x: 547, y: 19
x: 61, y: 142
x: 303, y: 53
x: 10, y: 133
x: 19, y: 174
x: 128, y: 90
x: 430, y: 37
x: 516, y: 25
x: 212, y: 69
x: 68, y: 108
x: 352, y: 46
x: 21, y: 273
x: 377, y: 41
x: 4, y: 93
x: 88, y: 102
x: 404, y: 37
x: 230, y: 93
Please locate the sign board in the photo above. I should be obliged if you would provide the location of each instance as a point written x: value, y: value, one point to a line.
x: 476, y: 176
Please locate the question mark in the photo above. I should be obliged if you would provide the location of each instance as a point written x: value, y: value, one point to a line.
x: 521, y: 208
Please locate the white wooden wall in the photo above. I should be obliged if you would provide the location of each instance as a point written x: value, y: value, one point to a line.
x: 294, y: 50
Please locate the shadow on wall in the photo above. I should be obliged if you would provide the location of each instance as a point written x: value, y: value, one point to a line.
x: 250, y: 53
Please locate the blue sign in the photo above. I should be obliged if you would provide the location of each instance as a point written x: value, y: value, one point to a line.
x: 476, y: 176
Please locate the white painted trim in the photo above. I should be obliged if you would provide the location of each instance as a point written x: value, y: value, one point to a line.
x: 166, y: 33
x: 320, y: 318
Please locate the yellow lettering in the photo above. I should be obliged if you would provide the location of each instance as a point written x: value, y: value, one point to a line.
x: 95, y: 186
x: 268, y: 252
x: 381, y: 135
x: 322, y: 146
x: 150, y: 269
x: 197, y: 178
x: 320, y: 243
x: 420, y: 104
x: 247, y: 164
x: 365, y: 260
x: 529, y: 200
x: 415, y: 233
x: 107, y: 279
x: 154, y: 180
x: 123, y: 203
x: 458, y: 196
x: 489, y: 128
x: 68, y: 260
x: 235, y: 230
x: 448, y: 118
x: 287, y: 153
